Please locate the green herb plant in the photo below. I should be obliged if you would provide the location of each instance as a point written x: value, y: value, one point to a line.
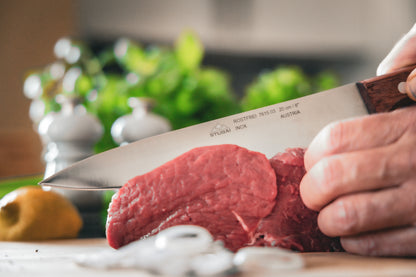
x: 184, y: 91
x: 284, y: 83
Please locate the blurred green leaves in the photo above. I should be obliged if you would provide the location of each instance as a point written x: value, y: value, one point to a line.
x: 185, y: 91
x: 285, y: 83
x: 189, y: 51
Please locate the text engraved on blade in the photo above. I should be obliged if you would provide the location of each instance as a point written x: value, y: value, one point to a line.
x: 289, y: 110
x: 242, y: 122
x: 244, y: 118
x: 267, y: 112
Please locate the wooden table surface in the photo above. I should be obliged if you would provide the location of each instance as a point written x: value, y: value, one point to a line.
x: 55, y: 258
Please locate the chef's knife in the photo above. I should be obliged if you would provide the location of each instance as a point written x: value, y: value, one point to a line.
x: 268, y: 130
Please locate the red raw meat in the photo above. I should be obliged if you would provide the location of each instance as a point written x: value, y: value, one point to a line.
x: 227, y: 189
x: 291, y: 224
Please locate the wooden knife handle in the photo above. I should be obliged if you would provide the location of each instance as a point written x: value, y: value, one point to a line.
x: 380, y: 94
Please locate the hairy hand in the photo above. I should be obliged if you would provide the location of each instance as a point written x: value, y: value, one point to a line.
x: 361, y: 176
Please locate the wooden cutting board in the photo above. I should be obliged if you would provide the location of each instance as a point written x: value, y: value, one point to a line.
x: 55, y: 258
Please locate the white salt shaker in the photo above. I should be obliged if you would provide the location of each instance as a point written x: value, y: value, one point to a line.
x: 141, y: 123
x: 69, y: 136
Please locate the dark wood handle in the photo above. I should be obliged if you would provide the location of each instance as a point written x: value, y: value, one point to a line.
x: 380, y: 94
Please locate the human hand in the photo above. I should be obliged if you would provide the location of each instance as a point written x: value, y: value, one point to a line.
x: 403, y: 54
x: 361, y: 176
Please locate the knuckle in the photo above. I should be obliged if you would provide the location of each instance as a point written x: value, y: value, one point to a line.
x: 329, y: 170
x: 408, y: 194
x: 347, y: 217
x: 400, y: 163
x: 369, y: 246
x: 336, y: 133
x: 411, y: 160
x: 403, y: 165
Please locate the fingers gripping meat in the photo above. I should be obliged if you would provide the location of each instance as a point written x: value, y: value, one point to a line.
x: 291, y: 224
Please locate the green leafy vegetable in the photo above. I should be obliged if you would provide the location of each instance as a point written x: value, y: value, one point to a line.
x: 282, y: 84
x: 189, y: 51
x: 185, y: 91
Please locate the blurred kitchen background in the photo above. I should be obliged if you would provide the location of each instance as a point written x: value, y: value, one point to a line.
x: 242, y: 37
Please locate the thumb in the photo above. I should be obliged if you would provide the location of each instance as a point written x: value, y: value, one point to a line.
x: 409, y: 87
x: 402, y: 54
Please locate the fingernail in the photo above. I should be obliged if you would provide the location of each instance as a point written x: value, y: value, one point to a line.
x: 411, y: 88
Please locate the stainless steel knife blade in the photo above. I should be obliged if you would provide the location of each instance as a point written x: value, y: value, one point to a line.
x: 268, y: 130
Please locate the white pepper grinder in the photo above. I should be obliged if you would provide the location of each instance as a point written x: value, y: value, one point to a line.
x: 69, y: 136
x: 141, y: 123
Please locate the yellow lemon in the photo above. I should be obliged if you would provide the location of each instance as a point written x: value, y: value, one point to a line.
x: 31, y: 213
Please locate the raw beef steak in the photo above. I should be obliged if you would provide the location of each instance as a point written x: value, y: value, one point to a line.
x: 238, y: 195
x: 226, y: 189
x: 291, y: 224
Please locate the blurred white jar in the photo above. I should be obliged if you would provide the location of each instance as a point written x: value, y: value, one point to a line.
x: 69, y: 136
x: 141, y: 123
